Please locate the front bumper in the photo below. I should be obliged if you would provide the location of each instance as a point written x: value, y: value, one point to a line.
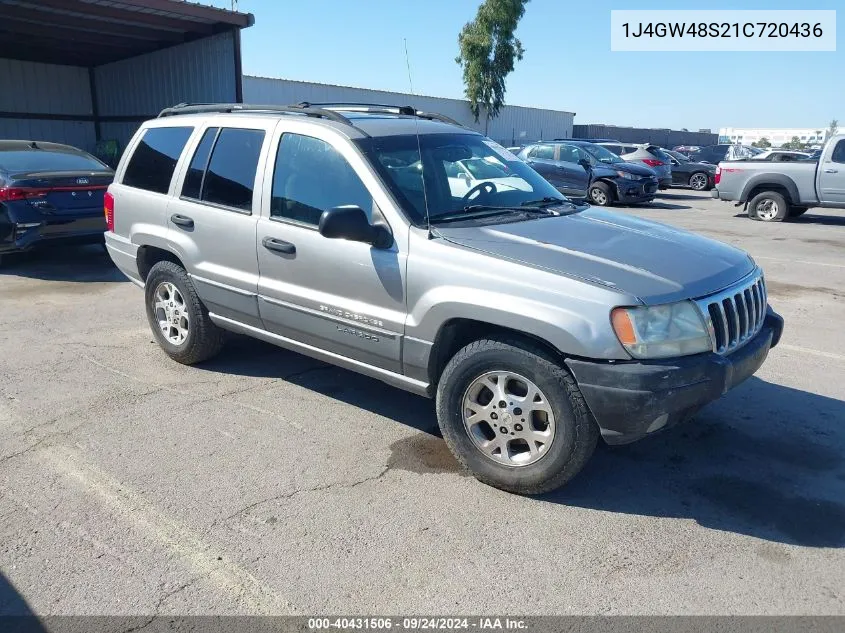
x: 85, y: 229
x: 636, y: 191
x: 629, y: 400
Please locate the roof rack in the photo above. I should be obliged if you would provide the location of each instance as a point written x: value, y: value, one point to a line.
x: 405, y: 110
x: 330, y: 111
x: 302, y: 109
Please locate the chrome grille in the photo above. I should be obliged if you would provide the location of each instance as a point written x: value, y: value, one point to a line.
x: 735, y: 315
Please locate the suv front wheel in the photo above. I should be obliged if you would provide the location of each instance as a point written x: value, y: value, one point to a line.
x: 513, y: 417
x: 177, y: 317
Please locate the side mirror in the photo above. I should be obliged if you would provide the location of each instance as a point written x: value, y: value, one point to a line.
x: 350, y: 223
x: 585, y: 163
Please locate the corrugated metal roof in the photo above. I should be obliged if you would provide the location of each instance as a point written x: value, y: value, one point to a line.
x: 95, y: 32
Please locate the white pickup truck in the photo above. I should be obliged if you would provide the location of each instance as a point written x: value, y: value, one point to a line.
x: 773, y: 192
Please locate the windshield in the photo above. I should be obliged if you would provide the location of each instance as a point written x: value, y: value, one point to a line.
x: 601, y: 154
x: 679, y: 157
x: 438, y: 177
x: 482, y: 168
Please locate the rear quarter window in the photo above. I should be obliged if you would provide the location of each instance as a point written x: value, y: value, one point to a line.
x: 154, y: 160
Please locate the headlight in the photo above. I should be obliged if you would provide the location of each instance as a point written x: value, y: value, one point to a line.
x: 675, y: 329
x: 626, y: 174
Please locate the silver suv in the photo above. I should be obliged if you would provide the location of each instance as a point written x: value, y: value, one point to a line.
x: 338, y: 232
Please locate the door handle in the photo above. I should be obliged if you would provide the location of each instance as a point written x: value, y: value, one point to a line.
x: 280, y: 246
x: 182, y: 220
x: 831, y: 171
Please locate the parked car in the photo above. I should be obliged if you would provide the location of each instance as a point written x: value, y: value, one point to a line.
x: 537, y: 324
x: 815, y: 154
x: 714, y: 154
x: 780, y: 156
x: 581, y: 169
x: 467, y: 174
x: 49, y: 193
x: 686, y: 173
x: 686, y: 150
x: 645, y: 154
x: 773, y: 192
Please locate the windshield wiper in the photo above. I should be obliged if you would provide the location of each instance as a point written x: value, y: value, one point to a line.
x: 478, y: 211
x: 548, y: 201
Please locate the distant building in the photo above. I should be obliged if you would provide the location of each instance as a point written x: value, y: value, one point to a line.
x: 515, y: 125
x: 776, y: 136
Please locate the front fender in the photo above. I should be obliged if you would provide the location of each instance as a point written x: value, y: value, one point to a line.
x: 584, y: 332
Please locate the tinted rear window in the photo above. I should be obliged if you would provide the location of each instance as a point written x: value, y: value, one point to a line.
x: 154, y: 161
x: 45, y: 160
x: 230, y: 178
x: 658, y: 153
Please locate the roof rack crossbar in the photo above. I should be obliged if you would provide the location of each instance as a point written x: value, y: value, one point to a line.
x: 205, y: 108
x: 405, y: 110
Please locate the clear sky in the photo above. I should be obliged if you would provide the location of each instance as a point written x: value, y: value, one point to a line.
x: 568, y: 64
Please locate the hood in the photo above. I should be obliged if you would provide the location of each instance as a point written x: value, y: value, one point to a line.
x: 633, y: 168
x: 654, y: 262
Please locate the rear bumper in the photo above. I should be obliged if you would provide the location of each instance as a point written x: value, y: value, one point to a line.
x: 665, y: 183
x: 124, y: 254
x: 630, y: 400
x: 52, y: 229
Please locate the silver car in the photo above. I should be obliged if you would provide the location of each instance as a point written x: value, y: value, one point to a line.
x: 645, y: 154
x: 538, y: 325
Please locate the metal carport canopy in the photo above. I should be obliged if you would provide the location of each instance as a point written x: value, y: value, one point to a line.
x: 95, y: 32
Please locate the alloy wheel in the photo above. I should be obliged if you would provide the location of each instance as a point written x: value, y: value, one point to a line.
x: 508, y: 418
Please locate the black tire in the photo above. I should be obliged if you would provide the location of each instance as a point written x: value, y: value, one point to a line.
x: 576, y: 433
x: 695, y: 181
x: 204, y: 339
x: 600, y: 194
x: 795, y: 212
x: 777, y: 210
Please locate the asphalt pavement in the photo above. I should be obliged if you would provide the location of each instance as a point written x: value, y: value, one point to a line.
x: 266, y: 482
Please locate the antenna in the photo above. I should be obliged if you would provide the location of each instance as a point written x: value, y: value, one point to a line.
x: 419, y: 145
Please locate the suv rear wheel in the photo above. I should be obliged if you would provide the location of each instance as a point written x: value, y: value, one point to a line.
x: 513, y: 417
x: 768, y: 206
x: 177, y: 317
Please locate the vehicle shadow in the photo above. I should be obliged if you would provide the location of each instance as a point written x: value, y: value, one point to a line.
x: 88, y: 263
x: 682, y: 196
x: 810, y: 218
x: 765, y: 460
x: 665, y: 205
x: 14, y: 609
x: 247, y: 356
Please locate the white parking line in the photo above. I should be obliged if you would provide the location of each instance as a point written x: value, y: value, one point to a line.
x: 813, y: 352
x: 130, y: 507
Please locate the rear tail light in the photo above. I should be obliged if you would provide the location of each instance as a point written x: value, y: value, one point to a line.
x: 8, y: 194
x: 108, y: 208
x: 718, y: 176
x: 653, y: 162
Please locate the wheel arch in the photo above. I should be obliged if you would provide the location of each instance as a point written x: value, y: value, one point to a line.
x: 771, y: 182
x: 148, y: 256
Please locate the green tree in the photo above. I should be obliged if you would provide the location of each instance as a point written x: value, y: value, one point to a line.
x: 763, y: 143
x: 488, y: 50
x: 833, y: 128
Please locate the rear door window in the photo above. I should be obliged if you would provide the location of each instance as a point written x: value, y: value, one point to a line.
x: 193, y: 180
x: 227, y: 176
x: 154, y: 160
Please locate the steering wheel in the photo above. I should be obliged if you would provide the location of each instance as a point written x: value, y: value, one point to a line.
x: 485, y: 188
